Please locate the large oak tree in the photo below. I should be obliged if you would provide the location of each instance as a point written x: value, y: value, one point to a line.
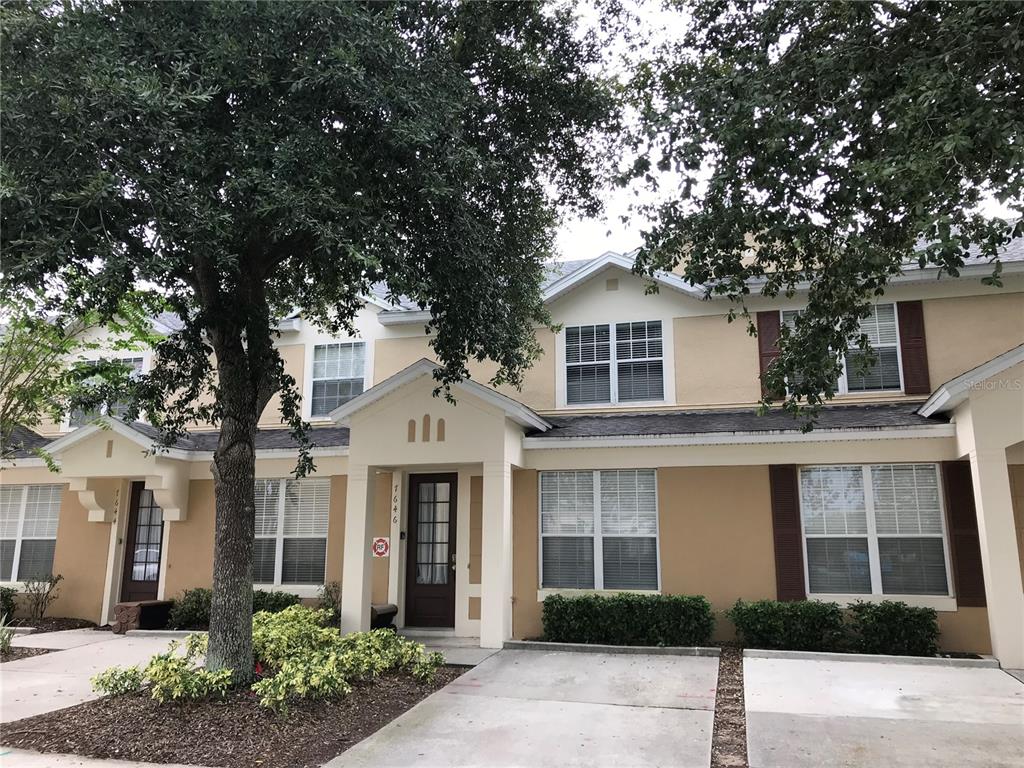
x: 830, y: 143
x: 240, y: 160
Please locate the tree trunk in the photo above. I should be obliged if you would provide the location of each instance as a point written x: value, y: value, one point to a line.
x: 234, y: 470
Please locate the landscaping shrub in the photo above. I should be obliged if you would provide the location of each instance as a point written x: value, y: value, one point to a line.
x: 6, y: 635
x: 894, y: 628
x: 192, y: 609
x: 170, y: 676
x: 628, y: 619
x: 40, y: 592
x: 8, y: 602
x: 297, y: 656
x: 272, y: 601
x: 309, y: 660
x: 330, y: 600
x: 803, y: 625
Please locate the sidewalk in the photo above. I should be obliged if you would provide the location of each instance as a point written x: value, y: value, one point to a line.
x: 19, y: 758
x: 60, y: 678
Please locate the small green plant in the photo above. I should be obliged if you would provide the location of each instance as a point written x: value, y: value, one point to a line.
x: 8, y: 602
x: 6, y: 635
x: 40, y: 592
x: 330, y: 600
x: 118, y: 681
x: 893, y: 628
x: 803, y: 625
x: 628, y: 619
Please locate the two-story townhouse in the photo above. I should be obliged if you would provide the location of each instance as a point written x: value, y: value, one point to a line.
x: 632, y: 458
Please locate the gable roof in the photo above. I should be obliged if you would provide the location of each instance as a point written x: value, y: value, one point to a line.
x: 513, y: 409
x: 951, y: 394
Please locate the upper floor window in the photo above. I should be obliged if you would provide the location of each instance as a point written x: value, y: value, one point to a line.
x: 599, y: 530
x: 338, y: 373
x: 79, y: 417
x: 884, y: 373
x: 874, y: 529
x: 291, y: 530
x: 614, y: 363
x: 28, y: 530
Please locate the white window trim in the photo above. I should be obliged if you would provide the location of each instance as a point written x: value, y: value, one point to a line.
x: 14, y: 581
x: 279, y: 537
x: 874, y: 560
x: 123, y: 354
x: 842, y: 387
x: 598, y: 536
x: 310, y: 352
x: 667, y: 366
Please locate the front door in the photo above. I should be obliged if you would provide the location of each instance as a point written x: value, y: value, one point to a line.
x: 143, y: 542
x: 430, y: 571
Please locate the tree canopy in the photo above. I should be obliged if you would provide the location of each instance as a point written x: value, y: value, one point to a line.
x: 832, y: 144
x: 240, y: 160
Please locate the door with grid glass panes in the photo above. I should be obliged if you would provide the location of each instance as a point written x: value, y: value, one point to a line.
x: 143, y: 543
x: 430, y: 570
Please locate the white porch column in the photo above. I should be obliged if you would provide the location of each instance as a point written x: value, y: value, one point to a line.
x: 1000, y: 561
x: 496, y: 556
x: 356, y: 574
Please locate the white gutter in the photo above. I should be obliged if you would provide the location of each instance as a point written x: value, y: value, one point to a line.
x: 741, y: 438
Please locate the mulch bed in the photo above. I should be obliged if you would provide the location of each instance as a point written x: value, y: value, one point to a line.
x: 52, y: 625
x: 234, y: 732
x: 729, y: 740
x: 21, y: 653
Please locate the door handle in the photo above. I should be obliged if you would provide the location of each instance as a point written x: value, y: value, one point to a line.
x: 452, y: 563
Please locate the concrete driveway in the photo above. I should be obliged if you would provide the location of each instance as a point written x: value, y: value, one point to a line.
x: 60, y: 678
x: 555, y: 708
x: 805, y: 713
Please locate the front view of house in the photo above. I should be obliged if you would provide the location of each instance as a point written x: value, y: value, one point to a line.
x: 633, y: 458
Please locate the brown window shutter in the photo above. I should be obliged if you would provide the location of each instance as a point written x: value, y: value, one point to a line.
x: 789, y: 546
x: 768, y: 325
x: 962, y: 521
x: 913, y: 349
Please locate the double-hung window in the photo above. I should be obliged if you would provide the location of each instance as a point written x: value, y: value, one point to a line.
x: 116, y: 409
x: 875, y: 529
x: 614, y: 363
x: 599, y: 530
x: 291, y: 530
x: 28, y: 530
x: 884, y: 373
x: 338, y: 374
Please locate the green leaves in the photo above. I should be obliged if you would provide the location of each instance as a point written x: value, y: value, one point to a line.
x: 824, y: 146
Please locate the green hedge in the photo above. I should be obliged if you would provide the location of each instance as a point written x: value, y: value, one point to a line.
x: 888, y: 627
x: 893, y: 628
x: 192, y: 609
x: 804, y: 625
x: 628, y: 619
x: 8, y: 602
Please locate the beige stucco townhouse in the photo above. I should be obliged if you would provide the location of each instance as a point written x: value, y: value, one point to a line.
x: 631, y: 459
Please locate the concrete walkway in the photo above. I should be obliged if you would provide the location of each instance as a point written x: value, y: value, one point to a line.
x: 60, y: 678
x: 806, y: 714
x: 20, y: 758
x: 540, y: 709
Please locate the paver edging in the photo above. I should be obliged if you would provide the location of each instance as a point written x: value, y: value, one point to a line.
x: 22, y: 630
x: 936, y: 661
x: 654, y: 650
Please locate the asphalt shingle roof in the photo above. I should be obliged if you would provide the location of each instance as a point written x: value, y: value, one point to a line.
x: 887, y: 415
x: 23, y: 442
x: 266, y: 439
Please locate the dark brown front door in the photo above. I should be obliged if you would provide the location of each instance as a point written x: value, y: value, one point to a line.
x: 430, y: 572
x: 143, y: 542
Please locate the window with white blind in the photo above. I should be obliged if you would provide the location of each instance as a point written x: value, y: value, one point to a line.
x: 614, y: 363
x: 28, y: 530
x: 884, y: 373
x: 338, y: 375
x: 116, y: 409
x: 599, y: 530
x: 876, y: 529
x: 291, y: 530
